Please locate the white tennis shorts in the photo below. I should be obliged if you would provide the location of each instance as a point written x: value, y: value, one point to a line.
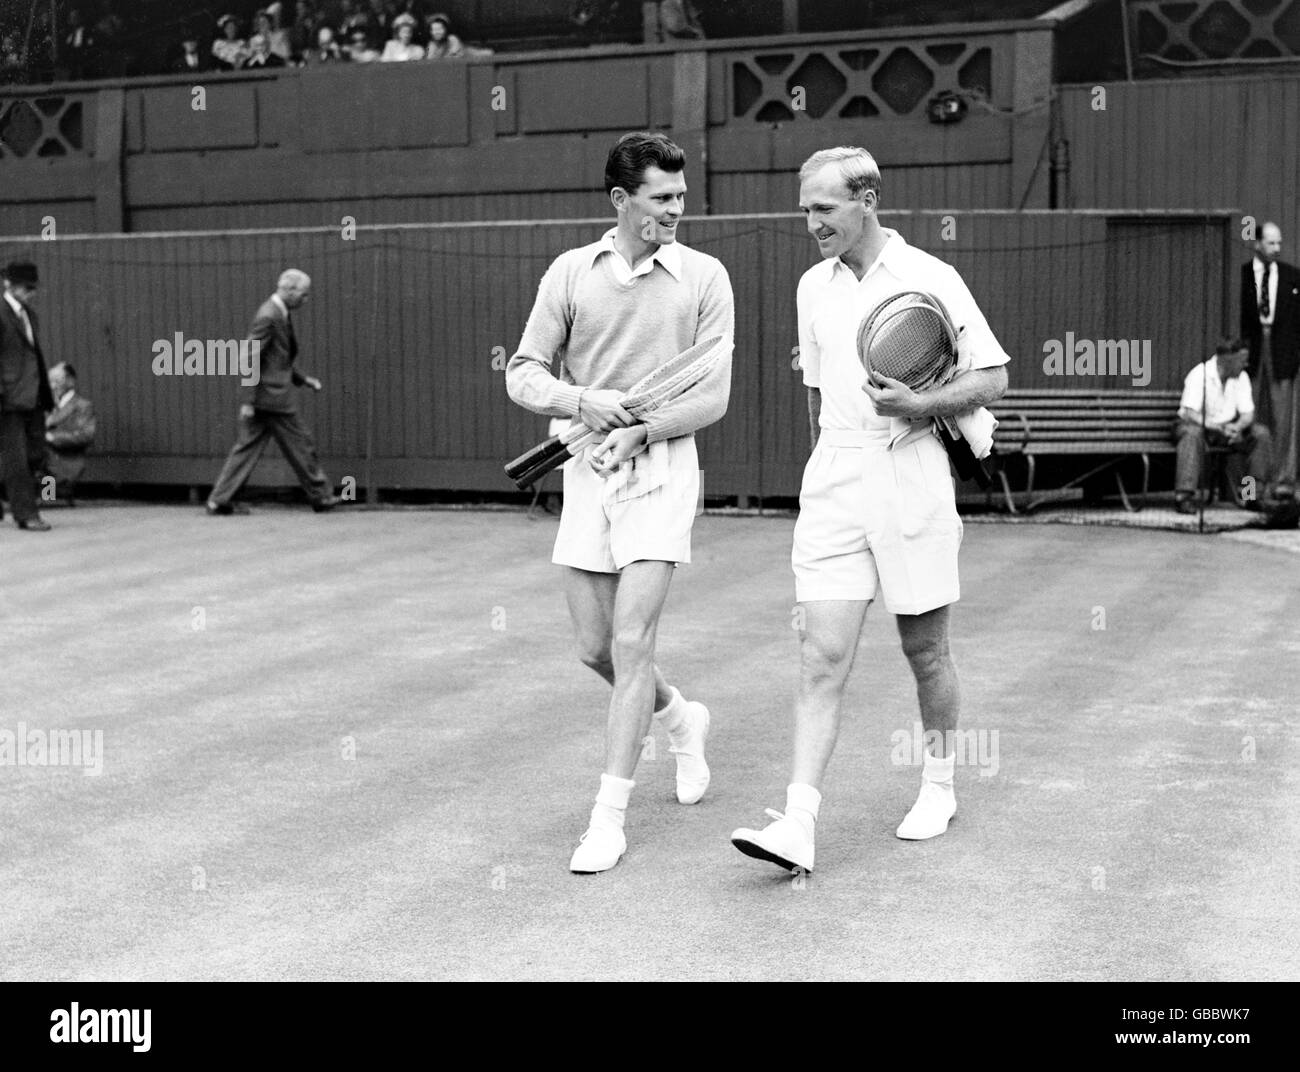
x: 877, y: 520
x: 604, y: 526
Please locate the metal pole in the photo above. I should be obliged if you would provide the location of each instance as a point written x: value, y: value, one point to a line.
x: 372, y: 494
x: 1205, y: 390
x: 1128, y: 44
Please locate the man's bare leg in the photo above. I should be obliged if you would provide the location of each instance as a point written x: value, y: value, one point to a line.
x: 827, y: 645
x: 592, y: 598
x: 938, y: 692
x: 591, y: 606
x: 642, y: 589
x: 617, y: 620
x: 925, y: 643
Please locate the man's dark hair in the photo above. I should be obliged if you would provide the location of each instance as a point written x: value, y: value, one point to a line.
x: 634, y: 153
x: 68, y: 370
x: 1230, y: 345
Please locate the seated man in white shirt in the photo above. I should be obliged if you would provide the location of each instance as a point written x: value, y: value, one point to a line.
x: 1217, y: 410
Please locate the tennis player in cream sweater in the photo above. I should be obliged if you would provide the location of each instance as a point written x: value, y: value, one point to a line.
x: 609, y: 313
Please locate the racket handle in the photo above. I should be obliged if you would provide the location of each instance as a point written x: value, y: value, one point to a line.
x: 559, y: 453
x: 963, y: 458
x: 543, y: 450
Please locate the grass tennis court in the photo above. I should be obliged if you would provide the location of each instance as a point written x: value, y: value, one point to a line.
x: 1141, y: 823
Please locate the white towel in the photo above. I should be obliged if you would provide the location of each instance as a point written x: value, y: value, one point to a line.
x: 977, y: 427
x: 640, y: 474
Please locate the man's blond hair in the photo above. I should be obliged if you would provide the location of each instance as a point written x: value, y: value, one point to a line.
x: 857, y: 167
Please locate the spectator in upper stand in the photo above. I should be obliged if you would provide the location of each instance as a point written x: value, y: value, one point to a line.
x: 109, y: 57
x: 359, y: 50
x: 382, y: 12
x: 190, y: 58
x: 443, y: 44
x: 230, y: 50
x: 400, y: 46
x: 78, y: 45
x: 409, y: 9
x: 277, y: 39
x: 679, y: 21
x: 326, y: 50
x: 303, y: 31
x: 12, y: 68
x: 262, y: 56
x: 353, y: 19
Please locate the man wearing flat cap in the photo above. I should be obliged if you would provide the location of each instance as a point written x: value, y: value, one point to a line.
x: 24, y: 395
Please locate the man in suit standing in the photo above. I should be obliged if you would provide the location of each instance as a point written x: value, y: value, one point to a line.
x: 24, y: 395
x: 69, y: 431
x: 268, y: 408
x: 1270, y: 324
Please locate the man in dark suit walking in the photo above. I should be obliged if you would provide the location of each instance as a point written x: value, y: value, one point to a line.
x: 69, y: 432
x: 1270, y: 324
x: 268, y: 408
x: 24, y: 395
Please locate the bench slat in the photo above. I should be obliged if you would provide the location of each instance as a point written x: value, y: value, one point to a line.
x: 1098, y: 448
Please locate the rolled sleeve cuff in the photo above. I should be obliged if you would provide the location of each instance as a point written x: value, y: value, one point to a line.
x: 564, y: 396
x: 656, y: 428
x: 984, y: 358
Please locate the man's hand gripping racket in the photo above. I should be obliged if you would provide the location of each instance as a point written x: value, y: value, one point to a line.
x: 669, y: 381
x: 909, y: 337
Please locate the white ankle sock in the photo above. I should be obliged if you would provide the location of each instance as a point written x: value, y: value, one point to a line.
x: 672, y: 716
x: 611, y: 802
x: 938, y: 770
x: 802, y: 802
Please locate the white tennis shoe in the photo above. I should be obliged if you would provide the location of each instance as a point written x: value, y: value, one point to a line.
x: 784, y: 842
x: 599, y: 849
x: 687, y: 744
x: 935, y: 805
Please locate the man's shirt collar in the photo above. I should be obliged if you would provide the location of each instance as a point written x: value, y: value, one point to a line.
x: 279, y: 301
x: 670, y: 257
x: 893, y: 249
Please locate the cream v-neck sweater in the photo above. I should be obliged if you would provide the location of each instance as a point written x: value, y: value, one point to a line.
x: 608, y: 335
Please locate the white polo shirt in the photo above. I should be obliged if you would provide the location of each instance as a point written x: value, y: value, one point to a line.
x: 1224, y: 402
x: 832, y: 302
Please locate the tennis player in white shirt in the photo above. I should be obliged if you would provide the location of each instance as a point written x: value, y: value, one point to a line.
x: 877, y: 512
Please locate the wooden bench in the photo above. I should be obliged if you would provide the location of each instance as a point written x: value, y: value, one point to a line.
x: 1109, y: 425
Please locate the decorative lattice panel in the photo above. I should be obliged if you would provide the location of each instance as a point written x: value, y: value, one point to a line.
x: 41, y: 126
x: 1197, y: 30
x: 847, y: 81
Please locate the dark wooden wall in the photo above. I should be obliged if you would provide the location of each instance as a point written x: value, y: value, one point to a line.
x: 404, y: 324
x: 525, y: 136
x: 1189, y: 144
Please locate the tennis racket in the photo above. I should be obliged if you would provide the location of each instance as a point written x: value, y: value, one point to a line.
x: 669, y: 381
x: 909, y: 337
